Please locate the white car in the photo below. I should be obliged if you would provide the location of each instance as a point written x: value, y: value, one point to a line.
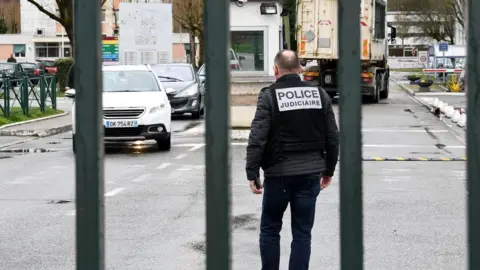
x: 135, y: 106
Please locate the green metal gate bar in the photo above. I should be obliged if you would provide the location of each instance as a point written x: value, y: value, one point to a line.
x: 217, y: 135
x: 90, y: 220
x: 473, y: 133
x: 351, y: 210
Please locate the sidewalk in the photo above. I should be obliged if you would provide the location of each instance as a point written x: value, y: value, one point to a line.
x: 240, y: 119
x: 39, y: 127
x: 445, y: 105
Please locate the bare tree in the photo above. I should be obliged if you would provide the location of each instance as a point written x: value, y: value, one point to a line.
x: 404, y: 28
x: 458, y: 9
x: 433, y: 18
x: 62, y: 13
x: 189, y: 15
x: 10, y: 12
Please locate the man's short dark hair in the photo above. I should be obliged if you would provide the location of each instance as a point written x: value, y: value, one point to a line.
x: 287, y: 60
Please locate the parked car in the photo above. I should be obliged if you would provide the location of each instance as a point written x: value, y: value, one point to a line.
x: 135, y: 106
x: 185, y: 90
x: 201, y: 74
x: 48, y: 66
x: 18, y: 70
x: 235, y: 61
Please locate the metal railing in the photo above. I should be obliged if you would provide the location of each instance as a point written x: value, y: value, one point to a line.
x: 90, y: 223
x: 27, y: 93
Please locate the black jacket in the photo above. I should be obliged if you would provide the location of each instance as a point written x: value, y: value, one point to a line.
x: 11, y: 60
x: 295, y: 163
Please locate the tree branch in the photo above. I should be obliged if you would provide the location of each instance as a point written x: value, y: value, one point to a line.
x: 45, y: 11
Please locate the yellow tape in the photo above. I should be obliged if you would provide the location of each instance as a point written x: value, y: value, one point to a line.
x: 446, y: 159
x: 378, y: 158
x: 400, y: 159
x: 423, y: 159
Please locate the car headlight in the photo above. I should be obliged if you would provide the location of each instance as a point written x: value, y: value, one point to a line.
x: 187, y: 92
x: 156, y: 108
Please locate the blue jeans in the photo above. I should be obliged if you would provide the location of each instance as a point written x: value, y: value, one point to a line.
x: 301, y: 192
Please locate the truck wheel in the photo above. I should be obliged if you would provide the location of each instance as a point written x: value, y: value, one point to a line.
x: 384, y: 93
x: 376, y: 97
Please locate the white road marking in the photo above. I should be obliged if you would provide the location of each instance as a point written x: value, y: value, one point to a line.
x: 196, y: 147
x: 185, y: 168
x: 410, y: 146
x: 390, y: 146
x: 72, y: 213
x: 239, y: 144
x: 114, y: 192
x: 17, y: 182
x: 187, y: 144
x: 141, y: 178
x: 395, y: 170
x: 243, y: 185
x: 180, y: 156
x: 59, y: 167
x: 163, y: 166
x: 404, y: 130
x: 139, y: 165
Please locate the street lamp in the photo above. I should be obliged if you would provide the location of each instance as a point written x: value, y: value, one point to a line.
x: 268, y: 8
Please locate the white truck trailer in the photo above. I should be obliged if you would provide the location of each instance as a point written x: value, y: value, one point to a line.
x: 317, y: 40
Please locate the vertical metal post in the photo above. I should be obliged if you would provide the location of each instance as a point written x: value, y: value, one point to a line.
x: 6, y: 96
x: 42, y: 93
x: 217, y: 152
x: 444, y: 66
x: 90, y: 223
x: 473, y: 132
x: 53, y: 92
x: 351, y: 209
x: 24, y: 95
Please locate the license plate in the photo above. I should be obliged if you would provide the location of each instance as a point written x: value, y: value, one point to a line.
x: 121, y: 124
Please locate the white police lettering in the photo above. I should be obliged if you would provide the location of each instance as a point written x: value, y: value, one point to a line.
x: 298, y: 98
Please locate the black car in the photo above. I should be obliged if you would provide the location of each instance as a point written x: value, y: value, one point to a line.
x: 184, y: 88
x: 18, y: 70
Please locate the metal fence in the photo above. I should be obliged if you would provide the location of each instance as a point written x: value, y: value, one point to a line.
x: 27, y: 93
x: 89, y: 157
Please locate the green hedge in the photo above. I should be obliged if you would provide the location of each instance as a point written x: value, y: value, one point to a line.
x: 63, y: 66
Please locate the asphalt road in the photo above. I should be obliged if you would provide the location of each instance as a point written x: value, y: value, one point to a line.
x: 155, y: 218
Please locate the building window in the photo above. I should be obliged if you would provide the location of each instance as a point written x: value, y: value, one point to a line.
x: 66, y: 52
x: 102, y: 16
x: 247, y: 52
x: 19, y: 50
x: 380, y: 16
x: 47, y: 50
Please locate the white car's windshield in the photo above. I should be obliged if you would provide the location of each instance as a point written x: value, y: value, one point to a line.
x: 129, y: 81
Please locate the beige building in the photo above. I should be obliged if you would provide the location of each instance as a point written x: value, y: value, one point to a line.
x: 42, y: 37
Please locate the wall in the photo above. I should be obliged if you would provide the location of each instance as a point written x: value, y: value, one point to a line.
x: 6, y: 46
x: 31, y: 18
x: 248, y: 18
x: 5, y: 51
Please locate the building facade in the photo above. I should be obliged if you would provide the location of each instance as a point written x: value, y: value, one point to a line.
x: 409, y: 38
x: 254, y: 41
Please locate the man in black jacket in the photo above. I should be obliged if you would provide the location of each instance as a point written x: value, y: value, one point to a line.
x: 11, y: 59
x: 294, y: 139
